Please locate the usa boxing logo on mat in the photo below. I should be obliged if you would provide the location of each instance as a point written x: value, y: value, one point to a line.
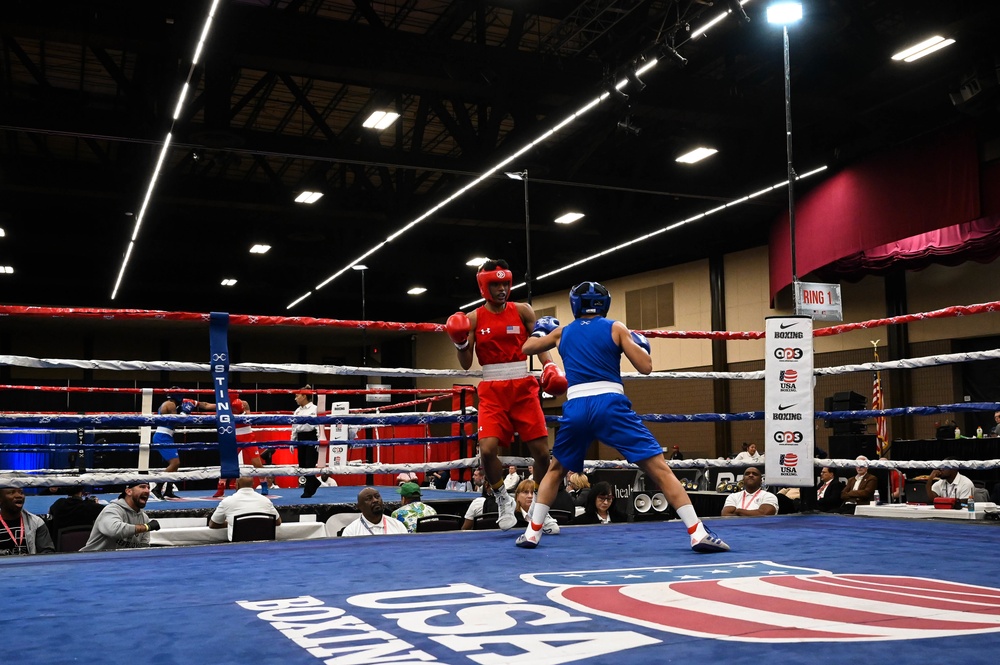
x: 762, y: 601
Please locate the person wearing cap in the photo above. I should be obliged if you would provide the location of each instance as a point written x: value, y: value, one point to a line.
x: 21, y: 532
x: 677, y: 454
x: 860, y: 490
x: 164, y: 436
x: 373, y: 521
x: 306, y: 432
x: 413, y: 508
x: 123, y: 524
x: 947, y: 482
x: 244, y: 501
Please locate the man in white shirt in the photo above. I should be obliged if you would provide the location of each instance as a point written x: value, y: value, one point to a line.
x: 244, y: 501
x: 948, y: 482
x: 753, y: 501
x: 512, y: 480
x: 373, y: 521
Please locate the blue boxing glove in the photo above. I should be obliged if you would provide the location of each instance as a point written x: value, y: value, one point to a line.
x: 641, y: 340
x: 544, y: 326
x: 188, y: 405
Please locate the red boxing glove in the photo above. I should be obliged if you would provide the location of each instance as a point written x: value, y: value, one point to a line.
x: 553, y: 380
x: 188, y: 405
x: 238, y: 406
x: 458, y: 327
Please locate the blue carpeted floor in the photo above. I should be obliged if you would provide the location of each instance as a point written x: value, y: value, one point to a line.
x: 796, y: 589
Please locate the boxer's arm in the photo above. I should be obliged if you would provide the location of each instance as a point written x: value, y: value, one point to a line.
x: 528, y: 318
x: 636, y: 355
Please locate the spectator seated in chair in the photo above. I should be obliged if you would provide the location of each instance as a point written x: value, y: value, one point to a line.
x: 828, y: 491
x: 373, y: 521
x: 597, y: 509
x: 413, y: 508
x: 243, y: 501
x: 72, y: 510
x: 23, y: 532
x: 753, y: 500
x: 860, y: 490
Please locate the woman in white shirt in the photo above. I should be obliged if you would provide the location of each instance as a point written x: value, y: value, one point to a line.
x: 748, y: 456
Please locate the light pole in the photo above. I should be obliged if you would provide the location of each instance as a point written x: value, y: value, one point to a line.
x: 783, y: 14
x: 523, y: 175
x: 364, y: 326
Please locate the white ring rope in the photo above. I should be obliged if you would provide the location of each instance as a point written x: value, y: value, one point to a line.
x: 63, y: 477
x: 170, y: 366
x: 60, y: 363
x: 905, y: 363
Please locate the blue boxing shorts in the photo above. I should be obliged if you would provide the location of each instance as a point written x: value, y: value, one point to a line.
x: 607, y: 417
x: 166, y: 453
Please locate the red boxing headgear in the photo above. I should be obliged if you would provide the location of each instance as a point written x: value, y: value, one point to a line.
x: 235, y: 403
x: 487, y: 277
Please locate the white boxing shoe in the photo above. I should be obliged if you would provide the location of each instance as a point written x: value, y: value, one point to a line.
x: 505, y: 505
x: 528, y: 542
x: 703, y: 540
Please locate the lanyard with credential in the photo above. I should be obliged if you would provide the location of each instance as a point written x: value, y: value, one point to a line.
x: 385, y: 527
x: 11, y: 533
x: 744, y: 502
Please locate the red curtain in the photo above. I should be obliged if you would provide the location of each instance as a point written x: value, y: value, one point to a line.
x: 973, y: 241
x: 922, y: 187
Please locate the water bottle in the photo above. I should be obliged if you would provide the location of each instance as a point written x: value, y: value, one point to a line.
x: 979, y: 432
x: 971, y: 504
x: 958, y: 433
x: 878, y: 501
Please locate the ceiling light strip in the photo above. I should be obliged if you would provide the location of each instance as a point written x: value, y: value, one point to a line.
x: 929, y: 50
x: 661, y: 230
x: 181, y: 98
x: 697, y: 32
x: 499, y: 166
x: 488, y: 174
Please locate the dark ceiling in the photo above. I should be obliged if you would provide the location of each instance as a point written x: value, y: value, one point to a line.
x: 89, y: 89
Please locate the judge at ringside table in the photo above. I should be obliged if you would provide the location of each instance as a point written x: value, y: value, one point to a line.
x: 753, y: 500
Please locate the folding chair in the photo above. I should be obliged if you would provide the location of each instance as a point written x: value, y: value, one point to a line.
x: 254, y: 526
x: 439, y: 522
x: 485, y: 521
x: 72, y: 538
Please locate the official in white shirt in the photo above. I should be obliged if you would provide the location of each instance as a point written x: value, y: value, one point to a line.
x: 244, y: 501
x: 373, y: 520
x: 949, y: 483
x: 308, y: 454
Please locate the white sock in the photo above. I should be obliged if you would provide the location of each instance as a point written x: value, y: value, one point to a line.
x: 690, y: 517
x: 537, y: 516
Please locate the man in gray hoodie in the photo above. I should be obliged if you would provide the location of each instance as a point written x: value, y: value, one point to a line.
x: 123, y: 523
x: 20, y: 531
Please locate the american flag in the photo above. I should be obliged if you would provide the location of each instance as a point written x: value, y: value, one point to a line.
x: 878, y: 403
x: 765, y: 601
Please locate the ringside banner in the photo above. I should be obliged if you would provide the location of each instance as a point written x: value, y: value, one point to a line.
x: 788, y: 401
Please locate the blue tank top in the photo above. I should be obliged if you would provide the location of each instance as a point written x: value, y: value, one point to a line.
x: 589, y: 352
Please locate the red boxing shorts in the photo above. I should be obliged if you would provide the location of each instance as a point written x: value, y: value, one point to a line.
x: 511, y: 406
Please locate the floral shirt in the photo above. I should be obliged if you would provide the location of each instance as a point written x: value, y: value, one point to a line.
x: 409, y: 514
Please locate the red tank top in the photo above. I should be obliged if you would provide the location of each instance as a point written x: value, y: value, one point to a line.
x: 499, y: 337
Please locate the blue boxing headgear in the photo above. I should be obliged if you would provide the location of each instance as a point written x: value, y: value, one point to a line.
x: 589, y: 298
